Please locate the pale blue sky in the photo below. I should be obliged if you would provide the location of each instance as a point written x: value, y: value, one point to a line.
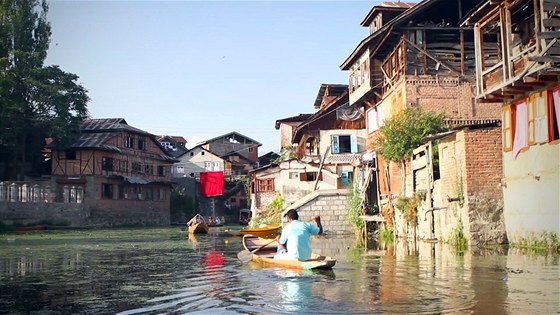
x: 200, y: 69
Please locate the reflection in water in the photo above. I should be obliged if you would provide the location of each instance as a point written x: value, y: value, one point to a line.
x: 149, y: 271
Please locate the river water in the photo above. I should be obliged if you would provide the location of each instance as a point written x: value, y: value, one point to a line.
x: 164, y: 271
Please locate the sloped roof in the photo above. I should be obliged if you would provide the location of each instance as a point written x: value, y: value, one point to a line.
x: 177, y: 139
x: 375, y: 40
x: 109, y: 125
x: 197, y: 147
x: 294, y: 120
x: 233, y: 133
x: 386, y: 6
x: 331, y: 89
x: 96, y: 132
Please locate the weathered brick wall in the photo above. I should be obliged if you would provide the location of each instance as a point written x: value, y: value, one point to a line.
x: 331, y: 205
x: 484, y: 195
x: 451, y: 95
x: 484, y: 162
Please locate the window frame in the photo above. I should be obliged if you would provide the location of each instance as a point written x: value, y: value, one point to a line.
x: 508, y: 113
x: 107, y: 163
x: 107, y: 191
x: 265, y: 185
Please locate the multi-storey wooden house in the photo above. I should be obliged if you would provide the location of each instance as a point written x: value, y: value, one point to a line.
x: 517, y: 54
x: 333, y: 136
x: 120, y: 173
x: 416, y: 55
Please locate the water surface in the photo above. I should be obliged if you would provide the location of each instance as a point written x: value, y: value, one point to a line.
x: 163, y: 271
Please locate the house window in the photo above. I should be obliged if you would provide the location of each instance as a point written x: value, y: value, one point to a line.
x: 123, y: 166
x: 293, y: 175
x: 129, y: 142
x: 149, y: 193
x: 180, y: 169
x: 375, y: 118
x: 265, y: 185
x: 161, y: 194
x: 142, y: 144
x: 136, y: 192
x: 148, y: 169
x: 123, y: 191
x: 192, y: 153
x: 251, y: 149
x: 70, y: 154
x: 343, y: 144
x: 136, y: 167
x: 345, y: 178
x: 107, y: 163
x: 554, y: 114
x: 107, y: 191
x: 507, y: 128
x: 208, y: 166
x: 537, y: 118
x: 309, y: 176
x: 161, y: 170
x: 202, y: 153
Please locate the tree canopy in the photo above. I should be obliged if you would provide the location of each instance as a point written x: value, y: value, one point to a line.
x: 404, y: 132
x: 36, y: 101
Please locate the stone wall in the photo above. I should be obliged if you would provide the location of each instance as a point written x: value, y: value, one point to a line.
x: 31, y: 203
x: 74, y: 214
x: 331, y: 205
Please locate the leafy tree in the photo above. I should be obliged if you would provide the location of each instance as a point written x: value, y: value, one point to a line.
x: 36, y: 101
x: 404, y: 132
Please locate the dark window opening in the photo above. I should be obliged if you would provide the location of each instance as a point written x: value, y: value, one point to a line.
x: 107, y: 163
x: 107, y: 191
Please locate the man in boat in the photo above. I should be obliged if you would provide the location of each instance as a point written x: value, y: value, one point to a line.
x: 295, y: 238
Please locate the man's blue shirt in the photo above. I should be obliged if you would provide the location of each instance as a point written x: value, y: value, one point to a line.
x: 296, y: 236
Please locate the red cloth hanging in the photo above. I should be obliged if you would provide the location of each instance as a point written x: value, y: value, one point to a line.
x: 211, y: 183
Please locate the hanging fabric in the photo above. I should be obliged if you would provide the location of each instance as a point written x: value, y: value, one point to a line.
x: 211, y: 183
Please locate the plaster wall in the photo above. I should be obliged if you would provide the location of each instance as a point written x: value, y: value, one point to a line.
x: 531, y: 190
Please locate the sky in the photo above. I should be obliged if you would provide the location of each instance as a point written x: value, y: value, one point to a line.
x: 201, y: 69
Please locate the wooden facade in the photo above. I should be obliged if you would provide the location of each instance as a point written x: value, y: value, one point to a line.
x: 116, y: 166
x: 517, y: 47
x: 424, y: 58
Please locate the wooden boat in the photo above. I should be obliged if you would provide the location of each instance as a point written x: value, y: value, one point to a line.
x: 233, y: 232
x: 268, y: 231
x: 198, y: 228
x: 265, y: 255
x: 197, y: 225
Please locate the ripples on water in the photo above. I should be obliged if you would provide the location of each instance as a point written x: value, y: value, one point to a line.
x: 162, y: 271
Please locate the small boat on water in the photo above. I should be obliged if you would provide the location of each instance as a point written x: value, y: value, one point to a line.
x: 263, y: 251
x: 198, y: 228
x: 267, y: 231
x: 197, y: 225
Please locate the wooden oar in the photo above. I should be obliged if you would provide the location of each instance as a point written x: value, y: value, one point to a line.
x: 245, y: 256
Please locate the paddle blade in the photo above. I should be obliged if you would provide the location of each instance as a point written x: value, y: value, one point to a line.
x: 245, y: 256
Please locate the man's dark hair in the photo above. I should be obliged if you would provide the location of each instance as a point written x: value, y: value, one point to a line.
x: 292, y: 214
